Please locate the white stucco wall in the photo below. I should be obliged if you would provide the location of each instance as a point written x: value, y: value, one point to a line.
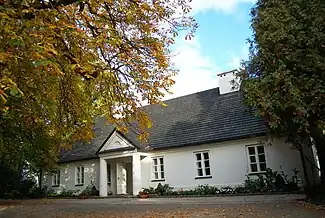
x: 228, y: 164
x: 228, y: 161
x: 68, y: 173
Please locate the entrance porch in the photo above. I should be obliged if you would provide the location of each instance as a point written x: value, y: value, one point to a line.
x: 120, y: 174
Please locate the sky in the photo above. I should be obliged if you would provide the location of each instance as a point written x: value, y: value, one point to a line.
x: 219, y: 45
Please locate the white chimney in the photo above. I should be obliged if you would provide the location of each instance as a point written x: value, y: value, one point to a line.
x: 228, y: 82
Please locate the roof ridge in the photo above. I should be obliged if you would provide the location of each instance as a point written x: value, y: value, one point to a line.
x: 187, y: 95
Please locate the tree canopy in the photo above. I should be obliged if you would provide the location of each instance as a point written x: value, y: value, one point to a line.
x: 65, y: 62
x: 284, y: 78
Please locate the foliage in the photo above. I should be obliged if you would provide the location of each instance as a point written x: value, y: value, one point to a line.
x: 163, y: 189
x: 150, y: 190
x: 64, y: 193
x: 284, y: 77
x: 271, y: 181
x: 65, y: 62
x: 205, y: 190
x: 15, y: 183
x: 90, y: 190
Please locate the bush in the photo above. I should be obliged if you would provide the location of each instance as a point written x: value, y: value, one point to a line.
x: 226, y: 190
x: 271, y: 181
x: 90, y: 190
x: 206, y: 190
x: 15, y: 183
x: 68, y: 193
x: 163, y: 189
x: 150, y: 190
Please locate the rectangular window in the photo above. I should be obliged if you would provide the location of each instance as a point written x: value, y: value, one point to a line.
x: 80, y: 175
x: 158, y: 168
x: 203, y: 164
x: 56, y: 179
x: 256, y: 158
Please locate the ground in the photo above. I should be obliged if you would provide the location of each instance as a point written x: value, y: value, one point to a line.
x: 241, y: 206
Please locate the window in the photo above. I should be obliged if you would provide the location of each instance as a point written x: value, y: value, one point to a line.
x: 80, y: 175
x: 256, y: 158
x: 108, y: 174
x: 203, y: 164
x: 158, y: 168
x: 56, y: 179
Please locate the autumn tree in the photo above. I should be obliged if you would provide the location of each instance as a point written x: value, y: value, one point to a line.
x: 284, y: 78
x: 65, y: 62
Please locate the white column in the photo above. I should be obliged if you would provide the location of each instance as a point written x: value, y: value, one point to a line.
x: 136, y: 172
x: 102, y: 177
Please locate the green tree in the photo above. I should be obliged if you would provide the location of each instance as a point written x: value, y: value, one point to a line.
x: 284, y: 78
x: 65, y: 62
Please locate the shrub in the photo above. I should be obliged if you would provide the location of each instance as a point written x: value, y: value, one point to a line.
x: 89, y: 190
x: 68, y: 193
x: 271, y: 181
x: 150, y: 190
x: 206, y: 190
x: 163, y: 189
x: 226, y: 190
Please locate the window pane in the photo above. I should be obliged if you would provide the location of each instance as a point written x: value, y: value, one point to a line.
x: 260, y: 149
x: 156, y: 168
x: 162, y: 168
x: 198, y: 156
x: 156, y: 175
x: 161, y: 160
x: 254, y: 167
x: 263, y: 166
x: 199, y: 172
x: 206, y: 163
x: 251, y: 150
x: 199, y: 164
x: 206, y: 156
x: 261, y: 157
x: 162, y: 175
x: 155, y: 161
x: 207, y: 172
x: 252, y: 159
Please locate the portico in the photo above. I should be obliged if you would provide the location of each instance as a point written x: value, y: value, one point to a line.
x: 120, y: 167
x: 120, y: 174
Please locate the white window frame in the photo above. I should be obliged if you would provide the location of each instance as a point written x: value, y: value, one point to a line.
x: 158, y: 169
x: 82, y: 178
x: 56, y: 179
x: 257, y: 159
x: 202, y: 162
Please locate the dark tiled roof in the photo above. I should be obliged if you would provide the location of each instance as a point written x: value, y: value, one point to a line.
x: 202, y: 117
x: 198, y: 118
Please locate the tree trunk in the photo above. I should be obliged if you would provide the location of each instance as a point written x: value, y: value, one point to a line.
x: 303, y: 161
x: 319, y: 139
x: 40, y: 180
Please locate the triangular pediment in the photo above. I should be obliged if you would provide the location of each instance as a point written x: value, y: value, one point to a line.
x: 115, y: 142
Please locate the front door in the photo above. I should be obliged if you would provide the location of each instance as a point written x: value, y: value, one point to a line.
x: 121, y: 177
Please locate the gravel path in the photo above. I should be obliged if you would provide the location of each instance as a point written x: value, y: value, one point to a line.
x: 260, y: 206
